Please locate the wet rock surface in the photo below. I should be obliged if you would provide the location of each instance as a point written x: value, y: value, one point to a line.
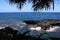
x: 44, y: 24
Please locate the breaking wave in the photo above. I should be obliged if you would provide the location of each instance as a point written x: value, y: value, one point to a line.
x: 35, y: 30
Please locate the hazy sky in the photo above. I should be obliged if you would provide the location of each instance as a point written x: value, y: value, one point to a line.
x: 6, y: 7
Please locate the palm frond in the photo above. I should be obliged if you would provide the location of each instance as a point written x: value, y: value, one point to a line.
x: 41, y: 4
x: 19, y: 3
x: 37, y: 4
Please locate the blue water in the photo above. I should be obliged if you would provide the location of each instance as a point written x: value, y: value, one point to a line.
x: 21, y: 16
x: 18, y: 17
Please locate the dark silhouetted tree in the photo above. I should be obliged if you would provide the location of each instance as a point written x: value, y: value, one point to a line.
x: 36, y: 4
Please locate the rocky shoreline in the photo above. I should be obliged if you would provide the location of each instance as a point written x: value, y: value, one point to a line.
x: 36, y: 24
x: 44, y: 24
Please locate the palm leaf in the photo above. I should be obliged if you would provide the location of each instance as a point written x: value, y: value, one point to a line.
x: 37, y: 4
x: 19, y: 3
x: 42, y: 4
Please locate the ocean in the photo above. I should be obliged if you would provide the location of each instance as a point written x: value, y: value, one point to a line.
x: 21, y: 16
x: 18, y: 17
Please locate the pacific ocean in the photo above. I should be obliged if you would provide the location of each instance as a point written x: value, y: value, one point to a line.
x: 21, y: 16
x: 12, y: 17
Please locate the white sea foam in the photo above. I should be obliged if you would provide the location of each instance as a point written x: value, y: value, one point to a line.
x: 35, y: 30
x: 55, y: 28
x: 2, y: 27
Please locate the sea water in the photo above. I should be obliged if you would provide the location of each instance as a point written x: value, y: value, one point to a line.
x: 21, y: 16
x: 18, y: 17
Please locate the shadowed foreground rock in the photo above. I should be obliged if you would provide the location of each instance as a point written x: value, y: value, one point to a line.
x: 55, y: 38
x: 11, y: 34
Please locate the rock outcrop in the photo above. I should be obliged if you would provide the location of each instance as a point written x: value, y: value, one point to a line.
x: 44, y: 24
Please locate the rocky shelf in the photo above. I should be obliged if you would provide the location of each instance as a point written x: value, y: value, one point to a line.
x: 45, y: 23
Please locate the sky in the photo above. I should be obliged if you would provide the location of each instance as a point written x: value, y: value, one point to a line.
x: 6, y: 7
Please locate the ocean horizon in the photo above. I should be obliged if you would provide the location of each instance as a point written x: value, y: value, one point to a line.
x: 15, y: 19
x: 21, y: 16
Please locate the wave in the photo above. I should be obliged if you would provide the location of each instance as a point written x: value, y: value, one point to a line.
x: 35, y: 30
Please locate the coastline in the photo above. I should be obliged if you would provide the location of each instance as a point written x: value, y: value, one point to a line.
x: 23, y: 27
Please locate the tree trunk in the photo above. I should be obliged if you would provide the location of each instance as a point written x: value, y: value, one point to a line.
x: 53, y: 4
